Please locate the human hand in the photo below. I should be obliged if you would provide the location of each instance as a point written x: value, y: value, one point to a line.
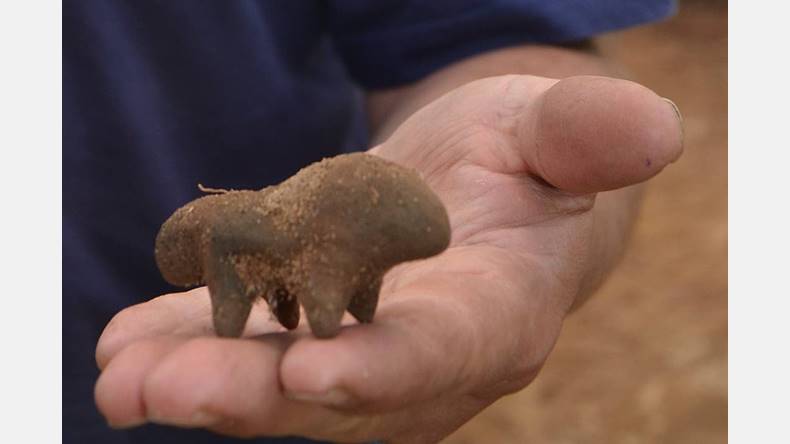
x: 517, y: 161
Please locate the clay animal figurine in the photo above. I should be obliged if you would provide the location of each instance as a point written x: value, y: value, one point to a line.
x: 323, y: 238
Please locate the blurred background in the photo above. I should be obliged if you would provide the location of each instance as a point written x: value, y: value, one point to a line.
x: 645, y: 361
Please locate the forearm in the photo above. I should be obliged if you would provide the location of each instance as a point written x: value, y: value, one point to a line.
x: 614, y: 212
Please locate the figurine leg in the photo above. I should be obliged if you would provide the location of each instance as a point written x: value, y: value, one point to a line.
x: 237, y: 233
x: 364, y: 301
x: 284, y: 306
x: 325, y: 299
x: 230, y: 305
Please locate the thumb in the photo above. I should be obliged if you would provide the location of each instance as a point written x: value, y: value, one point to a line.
x: 591, y: 134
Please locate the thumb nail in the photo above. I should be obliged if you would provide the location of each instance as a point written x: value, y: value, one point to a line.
x: 680, y: 122
x: 674, y: 108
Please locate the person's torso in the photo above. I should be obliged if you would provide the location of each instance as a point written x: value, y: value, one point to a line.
x: 161, y: 96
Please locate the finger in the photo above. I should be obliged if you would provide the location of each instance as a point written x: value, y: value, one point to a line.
x: 581, y: 134
x: 210, y: 381
x: 117, y: 391
x: 232, y: 386
x: 587, y: 134
x: 199, y: 382
x: 184, y: 314
x: 440, y: 335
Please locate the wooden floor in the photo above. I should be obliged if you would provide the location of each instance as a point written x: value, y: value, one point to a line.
x: 646, y: 360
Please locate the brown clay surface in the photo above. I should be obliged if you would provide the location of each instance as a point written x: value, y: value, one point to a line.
x: 645, y: 361
x: 323, y: 239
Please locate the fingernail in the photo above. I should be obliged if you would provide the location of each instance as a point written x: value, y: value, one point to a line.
x: 127, y: 425
x: 682, y: 129
x: 675, y: 108
x: 333, y: 398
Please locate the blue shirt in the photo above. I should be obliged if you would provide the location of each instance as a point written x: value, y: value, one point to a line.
x: 159, y: 96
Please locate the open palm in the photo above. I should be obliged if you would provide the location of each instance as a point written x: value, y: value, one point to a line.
x: 517, y: 160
